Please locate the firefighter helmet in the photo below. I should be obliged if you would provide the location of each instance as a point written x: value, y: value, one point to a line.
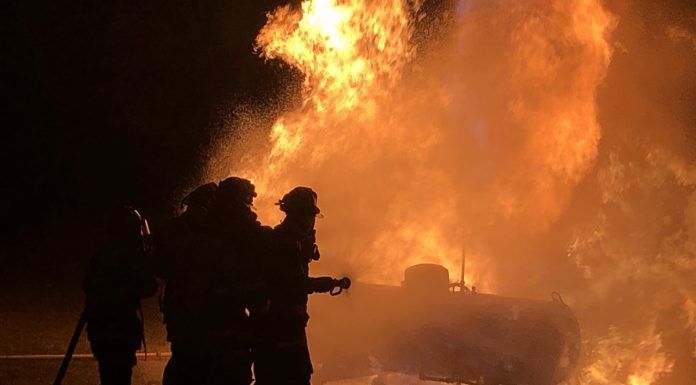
x: 202, y: 196
x: 300, y: 200
x: 235, y: 189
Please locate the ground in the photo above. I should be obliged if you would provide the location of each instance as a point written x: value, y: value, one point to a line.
x: 41, y: 319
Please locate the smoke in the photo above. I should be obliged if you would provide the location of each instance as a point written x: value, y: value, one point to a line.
x: 553, y: 141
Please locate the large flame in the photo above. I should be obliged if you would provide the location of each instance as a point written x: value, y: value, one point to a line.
x: 353, y: 55
x: 365, y: 133
x: 350, y: 54
x: 483, y: 144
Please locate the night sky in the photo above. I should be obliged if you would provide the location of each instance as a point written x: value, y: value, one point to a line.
x: 117, y: 102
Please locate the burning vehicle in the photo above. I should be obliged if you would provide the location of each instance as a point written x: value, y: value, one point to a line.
x: 443, y: 332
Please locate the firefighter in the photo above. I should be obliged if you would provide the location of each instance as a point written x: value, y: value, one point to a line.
x: 177, y: 245
x: 206, y: 320
x: 281, y: 355
x: 175, y: 239
x: 118, y: 277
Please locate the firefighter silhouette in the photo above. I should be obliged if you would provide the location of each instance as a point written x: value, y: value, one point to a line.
x: 118, y: 277
x: 177, y: 243
x: 209, y: 259
x: 281, y: 355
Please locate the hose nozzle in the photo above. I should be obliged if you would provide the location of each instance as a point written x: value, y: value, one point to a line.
x: 341, y: 284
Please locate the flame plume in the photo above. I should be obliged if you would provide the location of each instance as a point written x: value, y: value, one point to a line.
x: 365, y: 115
x: 347, y: 53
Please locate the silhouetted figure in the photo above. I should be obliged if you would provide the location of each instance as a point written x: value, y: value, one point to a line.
x: 177, y: 239
x: 209, y: 288
x: 118, y: 277
x: 281, y: 355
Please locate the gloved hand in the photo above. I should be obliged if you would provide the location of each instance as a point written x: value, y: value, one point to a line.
x: 322, y: 284
x: 343, y: 283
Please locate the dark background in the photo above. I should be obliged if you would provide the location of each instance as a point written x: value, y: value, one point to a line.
x: 113, y: 103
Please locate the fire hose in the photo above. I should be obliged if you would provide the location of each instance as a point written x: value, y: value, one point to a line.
x: 71, y: 348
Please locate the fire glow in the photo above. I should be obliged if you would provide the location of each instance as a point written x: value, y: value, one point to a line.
x: 479, y: 142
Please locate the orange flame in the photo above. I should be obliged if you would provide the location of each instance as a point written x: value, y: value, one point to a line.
x: 478, y: 145
x: 617, y: 357
x: 363, y: 123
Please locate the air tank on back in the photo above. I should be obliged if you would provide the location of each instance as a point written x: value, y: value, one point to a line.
x: 427, y: 328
